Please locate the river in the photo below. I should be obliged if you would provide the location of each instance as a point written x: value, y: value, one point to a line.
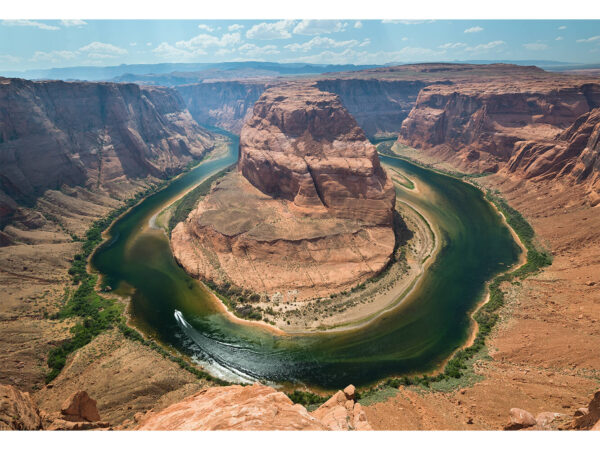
x: 416, y: 336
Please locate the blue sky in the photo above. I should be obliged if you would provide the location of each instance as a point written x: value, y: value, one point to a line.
x: 37, y: 44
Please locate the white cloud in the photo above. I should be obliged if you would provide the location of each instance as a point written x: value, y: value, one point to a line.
x: 255, y: 51
x: 319, y: 41
x: 473, y: 30
x: 73, y: 23
x: 453, y: 45
x: 54, y: 56
x: 168, y: 52
x: 101, y: 50
x: 315, y: 27
x: 559, y: 38
x: 485, y: 47
x: 590, y: 39
x: 9, y: 59
x: 536, y: 46
x: 365, y: 43
x: 407, y: 22
x: 132, y: 44
x: 235, y: 27
x: 205, y: 27
x: 29, y: 23
x: 203, y: 41
x: 355, y: 56
x: 358, y: 24
x: 271, y: 30
x: 562, y: 27
x: 149, y: 44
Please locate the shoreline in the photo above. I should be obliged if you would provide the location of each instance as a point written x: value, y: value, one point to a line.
x: 368, y: 318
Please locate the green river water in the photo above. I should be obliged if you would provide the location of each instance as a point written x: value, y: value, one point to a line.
x: 416, y: 336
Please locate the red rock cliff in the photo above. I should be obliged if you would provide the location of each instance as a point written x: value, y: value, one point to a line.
x: 302, y: 145
x: 55, y: 133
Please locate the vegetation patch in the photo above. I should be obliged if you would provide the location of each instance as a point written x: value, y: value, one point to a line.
x: 96, y: 313
x: 184, y: 206
x: 459, y: 370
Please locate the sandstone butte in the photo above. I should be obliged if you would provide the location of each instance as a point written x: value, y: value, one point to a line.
x: 308, y: 212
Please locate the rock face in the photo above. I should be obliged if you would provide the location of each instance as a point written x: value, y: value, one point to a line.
x: 341, y: 412
x: 310, y: 211
x: 17, y: 410
x: 483, y: 126
x: 379, y: 106
x: 255, y: 407
x: 574, y: 153
x: 224, y: 104
x: 54, y: 133
x: 303, y: 146
x: 80, y: 407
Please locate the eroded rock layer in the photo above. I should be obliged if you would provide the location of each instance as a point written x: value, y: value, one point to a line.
x: 55, y: 134
x: 310, y: 211
x: 481, y: 125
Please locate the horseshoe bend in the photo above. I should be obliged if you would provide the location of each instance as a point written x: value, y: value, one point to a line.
x: 308, y: 212
x: 268, y: 245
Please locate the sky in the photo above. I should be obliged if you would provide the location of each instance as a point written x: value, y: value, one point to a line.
x: 40, y: 44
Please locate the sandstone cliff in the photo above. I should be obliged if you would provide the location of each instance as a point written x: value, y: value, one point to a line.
x: 308, y: 214
x: 223, y: 104
x: 478, y: 124
x: 54, y: 133
x: 574, y: 153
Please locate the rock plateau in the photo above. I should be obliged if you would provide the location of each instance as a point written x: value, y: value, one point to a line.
x: 309, y: 211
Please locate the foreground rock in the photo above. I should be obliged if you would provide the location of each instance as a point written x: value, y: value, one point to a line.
x: 255, y: 407
x: 17, y: 410
x: 310, y: 211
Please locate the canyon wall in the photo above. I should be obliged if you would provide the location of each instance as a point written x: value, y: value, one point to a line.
x: 223, y: 104
x: 309, y: 212
x: 481, y: 125
x: 54, y: 133
x: 378, y: 106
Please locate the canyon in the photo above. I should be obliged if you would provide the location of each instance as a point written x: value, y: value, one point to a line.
x: 309, y: 211
x: 534, y: 134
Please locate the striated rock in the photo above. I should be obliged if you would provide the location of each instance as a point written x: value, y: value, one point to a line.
x: 303, y: 146
x: 255, y: 407
x: 17, y: 410
x: 55, y: 133
x: 80, y: 407
x: 591, y: 419
x: 519, y: 419
x: 341, y: 412
x: 224, y: 104
x: 575, y: 153
x: 310, y: 212
x: 478, y: 125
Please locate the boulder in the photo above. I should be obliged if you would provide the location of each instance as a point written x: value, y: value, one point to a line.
x: 17, y: 410
x: 79, y: 407
x: 519, y: 419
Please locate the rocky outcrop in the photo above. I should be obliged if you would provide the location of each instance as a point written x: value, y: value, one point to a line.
x: 310, y: 211
x: 342, y: 412
x: 255, y: 407
x: 303, y: 146
x: 54, y: 133
x: 223, y: 104
x: 574, y: 153
x: 80, y: 407
x: 484, y: 121
x: 378, y: 106
x: 17, y: 410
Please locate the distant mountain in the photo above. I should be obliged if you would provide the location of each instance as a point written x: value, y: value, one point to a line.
x: 93, y: 73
